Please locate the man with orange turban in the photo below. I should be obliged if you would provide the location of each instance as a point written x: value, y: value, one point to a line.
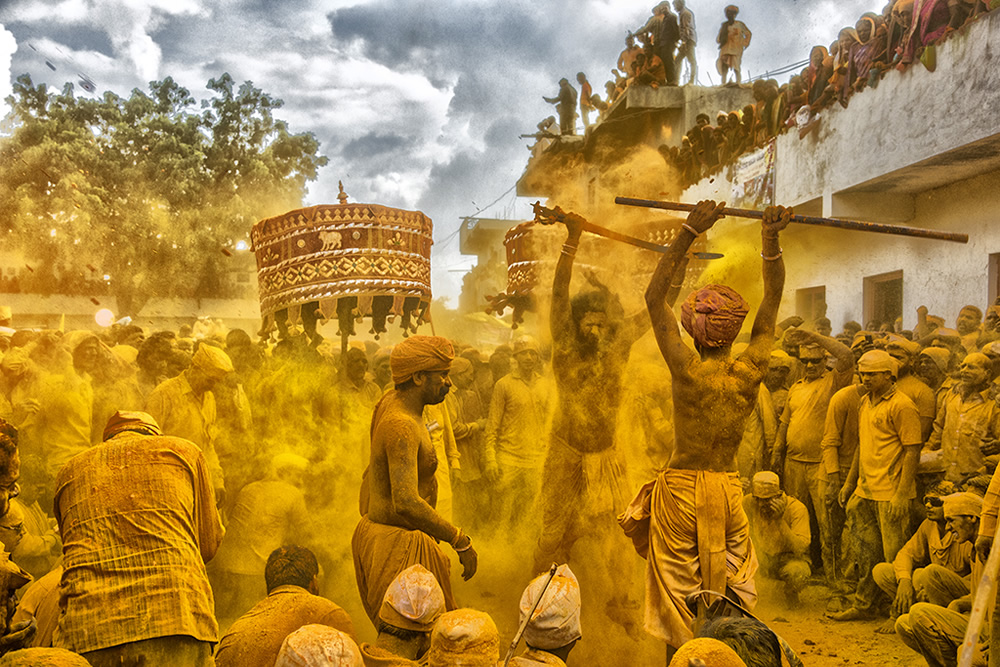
x: 699, y: 536
x: 399, y: 526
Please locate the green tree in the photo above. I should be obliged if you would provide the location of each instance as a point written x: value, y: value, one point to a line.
x: 151, y: 190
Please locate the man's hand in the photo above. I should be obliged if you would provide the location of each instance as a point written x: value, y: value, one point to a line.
x: 19, y: 636
x: 776, y: 218
x: 899, y: 508
x: 30, y: 406
x: 845, y: 494
x: 962, y: 605
x: 492, y: 473
x: 704, y: 215
x: 470, y: 562
x: 983, y: 546
x: 832, y: 494
x: 574, y: 225
x: 921, y: 310
x: 990, y: 447
x: 905, y: 598
x: 797, y: 336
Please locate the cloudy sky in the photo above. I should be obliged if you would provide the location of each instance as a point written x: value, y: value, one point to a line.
x: 417, y: 104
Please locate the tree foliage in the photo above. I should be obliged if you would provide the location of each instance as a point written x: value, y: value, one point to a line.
x: 153, y: 190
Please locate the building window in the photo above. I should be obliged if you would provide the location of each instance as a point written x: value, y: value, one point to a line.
x: 994, y: 276
x: 810, y: 303
x: 883, y: 299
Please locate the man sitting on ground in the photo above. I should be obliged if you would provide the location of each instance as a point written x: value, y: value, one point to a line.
x: 255, y: 639
x: 412, y: 604
x: 554, y: 628
x: 933, y: 566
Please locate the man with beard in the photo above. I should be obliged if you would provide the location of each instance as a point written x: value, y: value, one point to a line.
x: 583, y: 485
x: 698, y: 534
x: 779, y: 526
x: 401, y: 527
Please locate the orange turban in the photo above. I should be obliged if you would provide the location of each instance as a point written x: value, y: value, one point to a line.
x: 420, y: 353
x: 713, y: 315
x: 135, y: 422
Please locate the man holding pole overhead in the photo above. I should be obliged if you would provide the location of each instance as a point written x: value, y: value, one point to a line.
x: 698, y: 532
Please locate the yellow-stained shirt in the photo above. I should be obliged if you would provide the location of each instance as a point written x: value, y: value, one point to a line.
x: 991, y: 507
x: 138, y: 520
x: 960, y: 427
x: 767, y: 535
x: 62, y: 426
x: 921, y: 395
x: 516, y: 433
x: 254, y: 639
x: 928, y: 547
x: 805, y: 415
x: 840, y: 430
x: 885, y: 427
x: 180, y: 413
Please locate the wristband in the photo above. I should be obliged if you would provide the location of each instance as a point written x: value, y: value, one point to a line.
x: 771, y: 259
x: 689, y: 228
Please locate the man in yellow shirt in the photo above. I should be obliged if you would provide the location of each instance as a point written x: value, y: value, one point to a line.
x: 883, y: 475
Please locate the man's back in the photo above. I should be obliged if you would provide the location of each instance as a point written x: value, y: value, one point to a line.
x: 138, y: 520
x: 254, y: 640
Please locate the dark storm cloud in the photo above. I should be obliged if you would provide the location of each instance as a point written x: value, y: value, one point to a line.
x: 374, y: 144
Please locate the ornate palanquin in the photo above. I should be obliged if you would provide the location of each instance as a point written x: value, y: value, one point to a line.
x: 349, y: 261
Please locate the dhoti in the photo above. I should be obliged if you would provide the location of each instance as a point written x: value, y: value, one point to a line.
x: 381, y: 552
x: 699, y: 539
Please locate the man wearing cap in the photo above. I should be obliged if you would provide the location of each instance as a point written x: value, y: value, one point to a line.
x: 798, y: 448
x: 267, y: 514
x: 399, y: 526
x: 968, y: 421
x: 778, y: 369
x: 184, y: 406
x: 412, y: 605
x: 905, y: 352
x: 932, y: 367
x: 554, y: 627
x: 779, y: 528
x: 514, y: 448
x: 465, y: 637
x: 936, y: 632
x: 884, y: 474
x: 134, y: 588
x: 291, y: 575
x: 319, y: 646
x: 698, y: 532
x: 933, y: 566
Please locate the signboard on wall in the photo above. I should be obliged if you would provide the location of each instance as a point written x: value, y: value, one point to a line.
x: 753, y: 179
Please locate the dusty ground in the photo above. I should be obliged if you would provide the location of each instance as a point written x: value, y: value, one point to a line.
x: 505, y: 569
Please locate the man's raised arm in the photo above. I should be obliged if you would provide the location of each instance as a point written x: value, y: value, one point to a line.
x: 776, y: 218
x: 560, y: 319
x: 668, y: 336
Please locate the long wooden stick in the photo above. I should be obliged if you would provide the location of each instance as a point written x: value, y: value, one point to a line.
x: 548, y: 216
x: 856, y: 225
x: 527, y: 619
x: 984, y: 598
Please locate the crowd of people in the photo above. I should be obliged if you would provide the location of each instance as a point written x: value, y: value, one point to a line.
x: 905, y: 32
x: 157, y: 488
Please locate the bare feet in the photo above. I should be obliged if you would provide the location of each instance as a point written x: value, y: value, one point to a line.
x: 887, y: 628
x: 850, y: 614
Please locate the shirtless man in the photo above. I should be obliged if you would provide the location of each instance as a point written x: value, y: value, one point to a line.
x: 583, y: 481
x: 699, y: 535
x: 401, y: 527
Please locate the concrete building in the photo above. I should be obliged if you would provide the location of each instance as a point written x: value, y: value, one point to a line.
x: 921, y: 150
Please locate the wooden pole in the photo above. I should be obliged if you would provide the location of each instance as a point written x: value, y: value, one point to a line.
x: 984, y: 598
x: 855, y: 225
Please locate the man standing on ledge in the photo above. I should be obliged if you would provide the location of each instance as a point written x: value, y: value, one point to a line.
x: 699, y: 535
x: 401, y: 527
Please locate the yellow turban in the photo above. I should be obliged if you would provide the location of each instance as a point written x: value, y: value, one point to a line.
x: 212, y: 361
x: 420, y: 353
x: 464, y: 638
x: 319, y: 646
x: 413, y: 601
x: 939, y: 355
x: 556, y: 621
x: 766, y: 485
x: 713, y: 315
x: 876, y: 361
x: 964, y: 503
